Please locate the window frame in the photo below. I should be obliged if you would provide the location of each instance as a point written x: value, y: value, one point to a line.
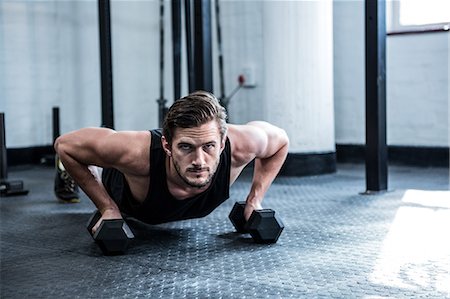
x: 395, y: 28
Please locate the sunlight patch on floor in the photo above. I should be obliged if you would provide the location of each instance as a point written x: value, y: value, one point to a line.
x: 416, y: 251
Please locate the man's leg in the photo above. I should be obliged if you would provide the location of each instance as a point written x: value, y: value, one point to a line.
x: 66, y: 190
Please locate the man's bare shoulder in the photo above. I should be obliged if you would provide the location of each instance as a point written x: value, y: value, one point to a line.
x: 102, y: 134
x: 140, y: 136
x: 246, y: 141
x: 246, y: 132
x: 256, y: 139
x: 131, y: 141
x: 111, y: 140
x: 119, y: 149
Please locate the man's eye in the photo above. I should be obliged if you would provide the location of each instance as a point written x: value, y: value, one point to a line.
x: 209, y: 146
x: 184, y: 147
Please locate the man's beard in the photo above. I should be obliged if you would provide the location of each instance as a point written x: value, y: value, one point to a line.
x: 195, y: 184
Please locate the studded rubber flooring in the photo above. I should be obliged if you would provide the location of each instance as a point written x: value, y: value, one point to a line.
x: 337, y: 243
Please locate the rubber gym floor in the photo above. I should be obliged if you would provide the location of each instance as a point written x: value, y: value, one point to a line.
x: 337, y: 243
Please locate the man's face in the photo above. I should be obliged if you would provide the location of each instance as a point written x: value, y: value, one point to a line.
x: 195, y: 153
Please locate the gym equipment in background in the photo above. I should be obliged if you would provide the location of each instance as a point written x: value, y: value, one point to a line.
x: 7, y: 187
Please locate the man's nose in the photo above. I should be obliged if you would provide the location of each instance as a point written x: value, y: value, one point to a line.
x: 199, y: 158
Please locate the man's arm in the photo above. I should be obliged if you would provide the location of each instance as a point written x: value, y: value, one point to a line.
x: 104, y: 148
x: 266, y: 143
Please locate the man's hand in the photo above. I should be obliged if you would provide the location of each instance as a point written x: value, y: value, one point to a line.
x: 106, y: 215
x: 250, y: 207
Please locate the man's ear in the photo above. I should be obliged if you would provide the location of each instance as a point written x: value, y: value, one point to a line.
x: 222, y: 143
x: 166, y: 146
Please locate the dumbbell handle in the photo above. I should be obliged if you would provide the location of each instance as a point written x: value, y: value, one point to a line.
x: 267, y: 212
x: 96, y: 217
x: 237, y: 216
x: 115, y: 223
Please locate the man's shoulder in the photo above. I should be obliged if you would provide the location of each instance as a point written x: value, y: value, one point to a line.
x: 243, y: 133
x: 236, y: 130
x: 244, y: 143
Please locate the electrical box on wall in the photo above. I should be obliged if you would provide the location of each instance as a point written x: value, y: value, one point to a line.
x: 249, y: 77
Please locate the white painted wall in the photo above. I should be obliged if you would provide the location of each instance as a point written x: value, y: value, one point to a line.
x: 418, y: 89
x: 417, y: 83
x: 348, y: 30
x: 294, y: 84
x: 50, y: 56
x: 298, y: 79
x: 243, y: 47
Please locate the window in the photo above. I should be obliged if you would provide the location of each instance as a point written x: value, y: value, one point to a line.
x: 405, y: 16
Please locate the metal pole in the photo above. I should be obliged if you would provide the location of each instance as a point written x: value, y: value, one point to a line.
x: 203, y: 46
x: 7, y: 188
x: 376, y: 148
x: 161, y: 49
x: 106, y: 63
x: 189, y: 42
x: 161, y: 101
x: 220, y: 52
x: 4, y: 157
x: 55, y: 117
x: 176, y: 47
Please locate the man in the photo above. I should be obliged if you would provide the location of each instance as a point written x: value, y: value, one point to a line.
x: 184, y: 172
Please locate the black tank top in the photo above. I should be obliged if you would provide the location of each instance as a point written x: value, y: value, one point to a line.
x: 160, y: 206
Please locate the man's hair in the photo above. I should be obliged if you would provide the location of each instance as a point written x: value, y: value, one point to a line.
x: 192, y: 111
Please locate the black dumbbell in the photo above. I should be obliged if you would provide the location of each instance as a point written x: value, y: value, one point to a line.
x: 12, y: 188
x: 263, y: 225
x: 112, y: 236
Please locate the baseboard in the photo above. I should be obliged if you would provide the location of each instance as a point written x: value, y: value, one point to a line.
x: 30, y: 155
x: 295, y: 165
x: 401, y: 155
x: 309, y: 164
x: 303, y: 165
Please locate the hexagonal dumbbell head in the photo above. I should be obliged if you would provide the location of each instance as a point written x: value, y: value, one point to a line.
x: 113, y: 236
x: 237, y: 216
x: 264, y: 226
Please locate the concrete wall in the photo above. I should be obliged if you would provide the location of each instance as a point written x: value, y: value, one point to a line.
x: 289, y: 46
x: 48, y: 57
x: 417, y: 83
x: 51, y: 57
x: 418, y: 89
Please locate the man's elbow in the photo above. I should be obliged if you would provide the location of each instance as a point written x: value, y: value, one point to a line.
x: 56, y: 144
x: 284, y: 139
x: 61, y: 145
